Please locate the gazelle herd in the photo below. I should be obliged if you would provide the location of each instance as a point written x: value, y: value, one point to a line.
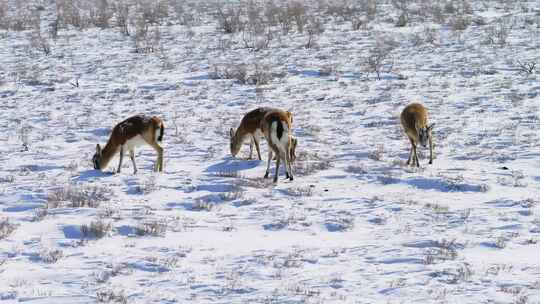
x: 273, y: 124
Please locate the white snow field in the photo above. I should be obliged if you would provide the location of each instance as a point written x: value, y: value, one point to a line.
x: 357, y: 225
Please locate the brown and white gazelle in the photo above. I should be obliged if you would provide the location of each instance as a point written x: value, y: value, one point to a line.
x: 277, y: 129
x: 414, y: 120
x: 133, y: 132
x: 250, y: 128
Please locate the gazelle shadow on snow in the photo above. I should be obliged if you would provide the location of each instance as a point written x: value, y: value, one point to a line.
x: 233, y: 164
x: 87, y: 175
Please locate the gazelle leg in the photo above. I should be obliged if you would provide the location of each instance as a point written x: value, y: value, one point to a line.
x: 410, y: 152
x: 416, y: 157
x: 288, y: 166
x: 277, y: 167
x: 256, y: 140
x: 285, y: 165
x: 121, y: 158
x: 430, y: 151
x: 158, y: 167
x: 132, y: 156
x: 251, y: 148
x: 269, y: 161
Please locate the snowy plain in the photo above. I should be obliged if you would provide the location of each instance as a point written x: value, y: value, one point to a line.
x: 357, y: 225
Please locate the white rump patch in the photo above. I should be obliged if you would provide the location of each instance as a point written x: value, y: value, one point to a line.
x: 280, y: 143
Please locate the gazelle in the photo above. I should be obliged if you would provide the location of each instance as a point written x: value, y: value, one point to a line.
x: 250, y: 128
x: 277, y: 129
x: 133, y: 132
x: 414, y: 120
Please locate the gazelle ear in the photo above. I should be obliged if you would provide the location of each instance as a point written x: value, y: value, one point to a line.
x: 289, y: 114
x: 98, y: 149
x: 231, y: 132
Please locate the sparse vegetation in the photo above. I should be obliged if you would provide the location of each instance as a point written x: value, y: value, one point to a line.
x: 51, y: 256
x: 152, y: 228
x: 356, y: 224
x: 111, y: 296
x: 96, y: 229
x: 77, y: 196
x: 379, y: 59
x: 6, y: 228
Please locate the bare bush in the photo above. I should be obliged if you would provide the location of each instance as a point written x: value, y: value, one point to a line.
x: 227, y: 173
x: 3, y: 9
x: 40, y: 214
x: 120, y: 10
x: 69, y: 13
x: 229, y: 20
x: 154, y: 12
x: 152, y: 228
x: 498, y: 34
x: 40, y: 43
x: 459, y: 23
x: 183, y: 15
x: 6, y: 228
x: 307, y: 163
x: 230, y: 71
x: 403, y: 9
x: 343, y: 221
x: 146, y: 39
x: 314, y: 28
x: 232, y: 195
x: 296, y: 10
x: 149, y: 185
x: 379, y: 59
x: 203, y: 204
x: 300, y: 191
x: 111, y: 296
x: 261, y: 75
x: 51, y: 256
x: 525, y: 67
x: 101, y: 14
x: 18, y: 17
x: 96, y: 229
x: 76, y: 196
x: 377, y: 154
x: 443, y: 250
x: 462, y: 274
x: 257, y: 38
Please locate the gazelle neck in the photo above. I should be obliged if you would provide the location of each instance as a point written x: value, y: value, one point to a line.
x: 239, y: 137
x: 107, y: 154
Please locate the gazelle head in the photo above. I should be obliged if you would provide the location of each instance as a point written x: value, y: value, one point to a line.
x: 425, y: 134
x: 235, y: 146
x: 96, y: 159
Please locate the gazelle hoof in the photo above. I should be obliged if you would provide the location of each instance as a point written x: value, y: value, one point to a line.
x: 266, y: 175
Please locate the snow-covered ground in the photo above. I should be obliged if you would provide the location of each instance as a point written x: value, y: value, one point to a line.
x: 355, y: 226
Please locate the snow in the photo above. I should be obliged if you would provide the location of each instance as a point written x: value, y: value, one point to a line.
x: 356, y: 225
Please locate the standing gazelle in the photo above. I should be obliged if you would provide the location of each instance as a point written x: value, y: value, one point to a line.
x: 414, y: 120
x: 135, y: 131
x: 250, y: 128
x: 277, y: 129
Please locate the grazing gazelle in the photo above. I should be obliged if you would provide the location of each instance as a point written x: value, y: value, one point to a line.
x: 277, y: 129
x: 250, y: 128
x: 135, y: 131
x: 414, y: 120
